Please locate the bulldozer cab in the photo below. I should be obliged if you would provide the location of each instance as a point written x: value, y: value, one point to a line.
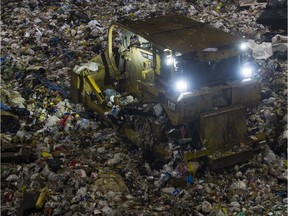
x: 167, y: 50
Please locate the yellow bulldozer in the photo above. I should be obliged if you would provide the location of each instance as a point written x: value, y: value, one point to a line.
x: 189, y: 83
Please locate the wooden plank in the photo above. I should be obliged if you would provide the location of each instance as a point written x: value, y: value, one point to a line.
x: 16, y: 157
x: 10, y: 147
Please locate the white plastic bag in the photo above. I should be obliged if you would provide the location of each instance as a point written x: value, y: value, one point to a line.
x: 260, y: 51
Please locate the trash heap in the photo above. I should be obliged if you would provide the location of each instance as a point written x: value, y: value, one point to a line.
x: 58, y: 158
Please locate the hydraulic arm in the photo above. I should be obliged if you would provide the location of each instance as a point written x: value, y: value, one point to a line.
x: 85, y: 74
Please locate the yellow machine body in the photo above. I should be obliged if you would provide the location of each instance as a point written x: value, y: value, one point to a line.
x: 214, y: 103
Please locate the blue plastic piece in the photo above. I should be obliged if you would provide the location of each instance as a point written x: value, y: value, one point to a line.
x: 18, y: 75
x: 189, y: 179
x: 4, y: 107
x: 53, y: 86
x: 53, y: 40
x: 66, y: 53
x: 175, y: 192
x: 3, y: 59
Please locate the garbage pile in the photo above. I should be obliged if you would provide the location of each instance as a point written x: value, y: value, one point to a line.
x: 65, y: 160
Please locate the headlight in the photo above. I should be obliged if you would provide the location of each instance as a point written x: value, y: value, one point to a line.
x: 169, y: 60
x: 181, y: 86
x: 246, y: 72
x: 243, y: 46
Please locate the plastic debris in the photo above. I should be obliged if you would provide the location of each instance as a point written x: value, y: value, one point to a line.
x: 260, y: 51
x: 42, y: 198
x: 206, y: 207
x: 91, y: 66
x: 83, y: 162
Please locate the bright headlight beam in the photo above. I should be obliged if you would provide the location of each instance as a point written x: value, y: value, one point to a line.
x: 246, y: 72
x: 243, y: 46
x: 181, y: 86
x: 169, y: 60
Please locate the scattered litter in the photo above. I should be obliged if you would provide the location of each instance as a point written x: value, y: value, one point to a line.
x: 80, y: 165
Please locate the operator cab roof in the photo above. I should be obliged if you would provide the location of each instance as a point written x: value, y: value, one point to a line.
x: 180, y: 33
